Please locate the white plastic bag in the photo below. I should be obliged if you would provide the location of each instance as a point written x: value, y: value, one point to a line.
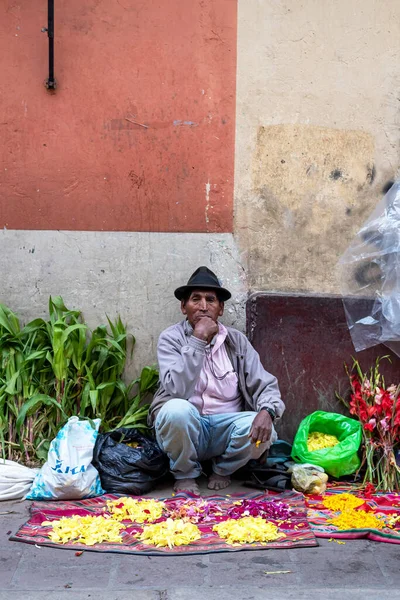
x: 15, y: 480
x: 68, y: 473
x: 310, y: 479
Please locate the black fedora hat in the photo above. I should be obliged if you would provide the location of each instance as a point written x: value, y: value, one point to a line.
x: 203, y: 278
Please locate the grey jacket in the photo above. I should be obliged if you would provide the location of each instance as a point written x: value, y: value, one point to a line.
x: 180, y: 360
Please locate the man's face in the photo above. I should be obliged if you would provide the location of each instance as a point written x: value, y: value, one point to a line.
x: 202, y: 303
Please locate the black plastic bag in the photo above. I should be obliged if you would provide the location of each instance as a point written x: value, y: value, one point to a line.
x: 128, y: 470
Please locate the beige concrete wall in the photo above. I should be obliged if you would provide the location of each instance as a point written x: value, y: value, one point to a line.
x: 317, y: 132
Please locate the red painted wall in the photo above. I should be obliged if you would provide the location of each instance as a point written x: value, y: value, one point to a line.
x: 139, y: 135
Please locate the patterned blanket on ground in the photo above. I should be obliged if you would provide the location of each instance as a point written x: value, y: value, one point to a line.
x: 380, y: 504
x: 296, y: 529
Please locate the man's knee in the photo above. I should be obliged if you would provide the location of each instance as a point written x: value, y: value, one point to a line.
x: 242, y: 425
x: 177, y: 413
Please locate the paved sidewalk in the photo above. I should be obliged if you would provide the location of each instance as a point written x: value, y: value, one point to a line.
x: 357, y: 570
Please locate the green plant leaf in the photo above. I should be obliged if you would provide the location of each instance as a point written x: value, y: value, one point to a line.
x: 12, y: 387
x: 33, y: 403
x: 42, y: 450
x: 56, y: 368
x: 106, y: 385
x: 65, y: 334
x: 9, y: 320
x: 148, y: 379
x: 34, y: 356
x: 94, y: 399
x: 33, y: 326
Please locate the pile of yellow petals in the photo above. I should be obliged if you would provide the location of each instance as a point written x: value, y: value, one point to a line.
x: 170, y: 533
x: 340, y: 502
x: 357, y: 519
x: 392, y: 520
x: 318, y: 441
x: 247, y: 530
x: 138, y: 511
x: 85, y: 530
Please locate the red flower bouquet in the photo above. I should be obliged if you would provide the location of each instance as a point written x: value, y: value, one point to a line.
x: 378, y: 409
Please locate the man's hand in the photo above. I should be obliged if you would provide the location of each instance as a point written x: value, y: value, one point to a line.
x: 261, y: 428
x: 205, y: 329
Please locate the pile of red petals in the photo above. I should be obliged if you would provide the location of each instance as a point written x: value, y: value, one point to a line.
x: 271, y: 509
x: 195, y: 511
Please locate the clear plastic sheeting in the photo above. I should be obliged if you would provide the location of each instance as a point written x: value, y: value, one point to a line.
x: 369, y: 272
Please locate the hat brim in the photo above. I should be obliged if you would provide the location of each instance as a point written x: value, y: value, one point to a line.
x: 223, y: 293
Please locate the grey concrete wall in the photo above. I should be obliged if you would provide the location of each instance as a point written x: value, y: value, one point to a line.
x: 130, y: 274
x: 317, y: 132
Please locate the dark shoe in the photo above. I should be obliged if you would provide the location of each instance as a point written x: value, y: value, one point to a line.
x: 279, y: 453
x: 276, y: 480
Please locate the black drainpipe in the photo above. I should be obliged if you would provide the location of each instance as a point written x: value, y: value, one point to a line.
x: 51, y: 82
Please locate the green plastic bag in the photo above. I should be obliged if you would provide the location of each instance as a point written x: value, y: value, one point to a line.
x: 339, y: 460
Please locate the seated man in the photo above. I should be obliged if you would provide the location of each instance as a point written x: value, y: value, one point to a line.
x: 215, y: 400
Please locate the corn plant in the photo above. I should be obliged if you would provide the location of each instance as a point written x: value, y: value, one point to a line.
x: 51, y: 370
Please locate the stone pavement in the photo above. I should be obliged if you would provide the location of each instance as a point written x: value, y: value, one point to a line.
x: 356, y: 570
